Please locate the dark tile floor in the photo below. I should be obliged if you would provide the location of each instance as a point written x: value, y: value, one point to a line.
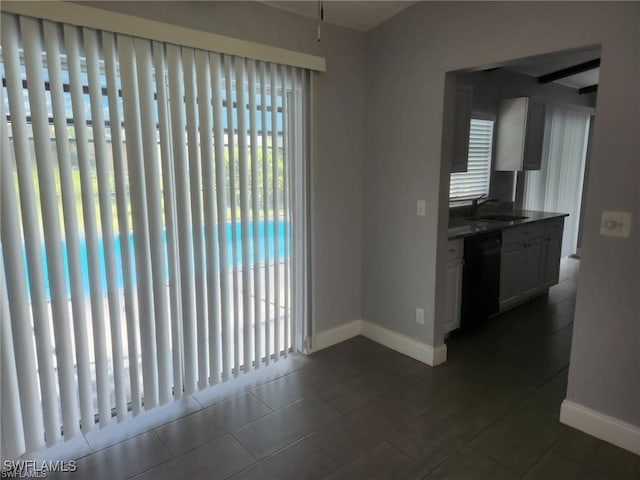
x: 358, y: 410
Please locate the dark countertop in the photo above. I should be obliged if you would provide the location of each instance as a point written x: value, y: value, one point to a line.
x: 463, y: 227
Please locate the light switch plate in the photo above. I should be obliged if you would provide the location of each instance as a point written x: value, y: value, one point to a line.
x: 422, y: 208
x: 616, y: 224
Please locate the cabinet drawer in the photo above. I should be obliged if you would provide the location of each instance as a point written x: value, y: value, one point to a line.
x: 455, y: 249
x: 555, y: 226
x: 523, y: 233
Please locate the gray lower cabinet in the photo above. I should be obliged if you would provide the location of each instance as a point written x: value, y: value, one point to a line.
x: 453, y: 285
x: 552, y: 250
x: 532, y: 268
x: 510, y: 272
x: 530, y: 260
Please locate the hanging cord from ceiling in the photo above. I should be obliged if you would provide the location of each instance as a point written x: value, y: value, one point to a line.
x: 320, y: 16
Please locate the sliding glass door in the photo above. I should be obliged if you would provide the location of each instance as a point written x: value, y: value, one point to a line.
x: 154, y: 228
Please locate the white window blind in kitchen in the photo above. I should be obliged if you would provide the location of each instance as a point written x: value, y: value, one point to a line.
x: 475, y: 181
x: 154, y: 226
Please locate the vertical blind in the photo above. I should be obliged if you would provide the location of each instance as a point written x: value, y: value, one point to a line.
x: 557, y: 186
x: 153, y: 224
x: 475, y: 181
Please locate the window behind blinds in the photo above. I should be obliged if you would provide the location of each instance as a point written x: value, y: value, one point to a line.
x: 153, y: 224
x: 475, y: 181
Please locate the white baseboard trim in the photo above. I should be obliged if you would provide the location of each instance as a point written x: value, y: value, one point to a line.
x: 335, y: 335
x: 395, y: 341
x: 604, y: 427
x: 406, y: 345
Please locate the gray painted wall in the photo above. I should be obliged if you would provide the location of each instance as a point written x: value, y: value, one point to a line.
x: 337, y: 210
x: 489, y: 87
x: 404, y: 255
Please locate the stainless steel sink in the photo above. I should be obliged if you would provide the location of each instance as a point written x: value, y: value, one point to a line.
x: 499, y: 217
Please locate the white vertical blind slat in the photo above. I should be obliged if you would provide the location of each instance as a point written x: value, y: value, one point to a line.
x: 32, y: 45
x: 90, y: 225
x: 196, y: 215
x: 133, y: 335
x: 297, y: 206
x: 276, y: 209
x: 228, y: 66
x: 32, y: 235
x: 265, y: 209
x: 244, y: 214
x: 168, y: 184
x: 154, y: 214
x: 135, y: 158
x: 205, y: 114
x: 255, y: 208
x: 71, y: 225
x: 16, y: 291
x: 220, y: 174
x: 104, y: 197
x: 12, y: 443
x: 287, y: 101
x: 183, y: 212
x: 302, y: 175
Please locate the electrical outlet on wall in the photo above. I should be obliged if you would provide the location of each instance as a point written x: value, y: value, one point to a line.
x: 420, y: 316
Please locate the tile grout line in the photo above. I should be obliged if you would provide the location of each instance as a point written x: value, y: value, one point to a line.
x: 172, y: 457
x: 271, y: 410
x: 544, y: 454
x: 495, y: 460
x: 255, y: 460
x: 166, y: 447
x: 273, y: 454
x: 509, y: 411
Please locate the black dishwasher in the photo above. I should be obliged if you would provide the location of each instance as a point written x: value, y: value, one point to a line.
x: 480, y: 279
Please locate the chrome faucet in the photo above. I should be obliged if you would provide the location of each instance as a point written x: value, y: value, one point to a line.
x: 476, y: 203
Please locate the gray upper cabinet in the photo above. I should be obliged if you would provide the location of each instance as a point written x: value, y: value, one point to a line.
x: 534, y: 137
x: 520, y: 133
x: 461, y: 128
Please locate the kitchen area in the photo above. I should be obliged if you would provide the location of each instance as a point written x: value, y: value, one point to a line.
x: 512, y: 220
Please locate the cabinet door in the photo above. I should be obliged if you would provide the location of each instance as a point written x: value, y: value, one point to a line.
x: 510, y: 274
x: 510, y: 135
x: 532, y: 267
x: 551, y: 264
x: 462, y: 120
x: 452, y: 295
x: 534, y: 137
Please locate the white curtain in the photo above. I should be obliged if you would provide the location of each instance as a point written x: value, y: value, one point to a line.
x: 154, y: 224
x: 557, y: 186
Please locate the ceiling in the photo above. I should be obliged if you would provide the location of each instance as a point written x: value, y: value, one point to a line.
x: 358, y: 15
x: 545, y: 64
x: 364, y: 15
